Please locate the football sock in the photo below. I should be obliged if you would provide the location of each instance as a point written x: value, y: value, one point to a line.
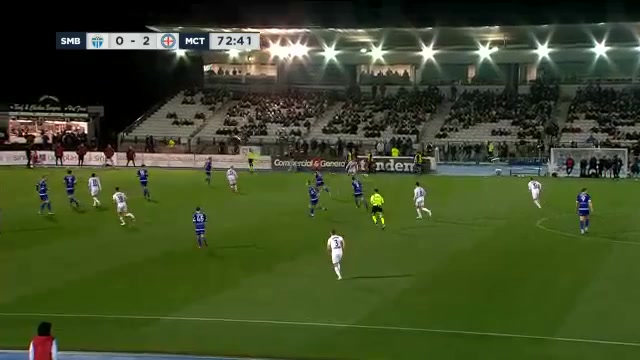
x: 375, y: 219
x: 336, y: 268
x: 537, y: 204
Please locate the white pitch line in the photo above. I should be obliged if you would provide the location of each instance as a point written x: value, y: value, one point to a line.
x: 329, y: 325
x: 582, y: 237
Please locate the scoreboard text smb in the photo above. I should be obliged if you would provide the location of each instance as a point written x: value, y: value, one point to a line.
x: 242, y: 41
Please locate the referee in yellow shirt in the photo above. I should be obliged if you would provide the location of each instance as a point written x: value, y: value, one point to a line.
x: 377, y: 201
x: 252, y: 157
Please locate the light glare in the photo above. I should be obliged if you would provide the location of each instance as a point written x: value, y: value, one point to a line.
x: 600, y: 49
x: 233, y: 53
x: 486, y: 51
x: 427, y: 52
x: 377, y: 53
x: 329, y: 52
x: 180, y: 53
x: 279, y: 51
x: 363, y: 51
x: 543, y: 51
x: 298, y: 50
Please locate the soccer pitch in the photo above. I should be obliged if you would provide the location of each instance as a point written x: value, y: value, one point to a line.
x: 490, y: 276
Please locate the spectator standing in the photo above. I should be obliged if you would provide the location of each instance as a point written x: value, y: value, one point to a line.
x: 43, y: 346
x: 81, y: 151
x: 59, y: 153
x: 28, y: 154
x: 108, y: 155
x: 131, y: 156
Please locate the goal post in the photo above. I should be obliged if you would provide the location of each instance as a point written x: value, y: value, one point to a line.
x: 559, y: 156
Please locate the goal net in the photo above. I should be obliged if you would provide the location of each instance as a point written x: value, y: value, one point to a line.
x: 559, y: 160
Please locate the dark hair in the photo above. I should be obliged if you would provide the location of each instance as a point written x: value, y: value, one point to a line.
x: 44, y: 329
x: 583, y: 190
x: 93, y: 174
x: 333, y: 231
x: 417, y: 183
x: 531, y: 178
x: 198, y: 208
x: 117, y: 188
x: 353, y: 178
x: 69, y: 172
x: 375, y: 190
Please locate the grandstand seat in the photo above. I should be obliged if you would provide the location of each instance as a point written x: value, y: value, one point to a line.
x: 603, y: 115
x: 483, y: 116
x: 181, y: 116
x: 365, y: 118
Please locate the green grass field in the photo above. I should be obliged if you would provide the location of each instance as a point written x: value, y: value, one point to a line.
x: 490, y: 276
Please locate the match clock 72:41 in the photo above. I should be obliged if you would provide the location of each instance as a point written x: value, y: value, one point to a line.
x: 234, y: 41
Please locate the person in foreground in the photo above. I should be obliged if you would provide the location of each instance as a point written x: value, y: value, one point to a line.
x: 335, y: 247
x: 43, y: 346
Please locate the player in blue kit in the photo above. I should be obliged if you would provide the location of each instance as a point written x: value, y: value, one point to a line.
x: 584, y: 208
x: 313, y: 199
x: 208, y: 167
x: 43, y: 192
x: 143, y: 175
x: 320, y: 185
x: 199, y: 221
x: 358, y: 194
x: 70, y: 184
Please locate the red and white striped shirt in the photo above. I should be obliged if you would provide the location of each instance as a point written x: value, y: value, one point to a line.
x: 43, y: 348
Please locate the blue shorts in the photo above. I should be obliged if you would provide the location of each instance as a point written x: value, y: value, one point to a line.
x: 583, y: 212
x: 143, y: 183
x: 313, y: 202
x: 319, y: 184
x: 199, y: 231
x: 71, y: 192
x: 44, y: 197
x: 358, y: 196
x: 208, y: 173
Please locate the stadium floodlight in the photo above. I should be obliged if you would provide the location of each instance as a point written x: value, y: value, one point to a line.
x: 363, y: 51
x: 377, y: 53
x: 298, y: 50
x: 277, y: 50
x: 543, y: 51
x: 180, y: 53
x: 486, y: 51
x: 427, y: 52
x: 600, y: 49
x: 233, y: 53
x: 329, y: 52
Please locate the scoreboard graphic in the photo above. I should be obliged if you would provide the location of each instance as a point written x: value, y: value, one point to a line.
x: 244, y: 41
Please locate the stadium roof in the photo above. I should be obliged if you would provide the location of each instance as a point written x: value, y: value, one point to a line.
x: 449, y: 37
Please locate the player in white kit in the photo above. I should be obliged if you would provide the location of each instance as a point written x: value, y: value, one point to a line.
x: 232, y: 177
x: 352, y: 167
x: 535, y: 188
x: 121, y: 206
x: 418, y: 197
x: 94, y: 189
x: 335, y: 247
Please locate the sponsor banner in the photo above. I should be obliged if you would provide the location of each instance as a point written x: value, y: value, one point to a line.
x: 308, y: 164
x: 149, y: 159
x: 400, y: 164
x: 48, y: 158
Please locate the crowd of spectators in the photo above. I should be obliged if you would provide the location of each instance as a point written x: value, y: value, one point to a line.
x: 388, y: 77
x: 530, y: 112
x: 48, y: 133
x: 403, y: 113
x: 291, y: 111
x: 610, y: 108
x: 210, y: 97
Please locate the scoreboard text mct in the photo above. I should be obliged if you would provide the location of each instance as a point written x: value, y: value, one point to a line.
x: 158, y: 41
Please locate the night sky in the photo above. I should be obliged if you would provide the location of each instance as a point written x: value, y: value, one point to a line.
x: 128, y: 83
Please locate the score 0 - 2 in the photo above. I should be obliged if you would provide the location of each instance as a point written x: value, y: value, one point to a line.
x: 132, y: 41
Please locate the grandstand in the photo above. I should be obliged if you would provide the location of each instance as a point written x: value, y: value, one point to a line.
x: 518, y: 85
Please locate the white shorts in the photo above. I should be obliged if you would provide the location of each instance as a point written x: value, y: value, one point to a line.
x: 535, y: 194
x: 336, y: 256
x: 122, y: 208
x: 232, y: 180
x: 94, y: 191
x: 420, y: 201
x: 352, y: 170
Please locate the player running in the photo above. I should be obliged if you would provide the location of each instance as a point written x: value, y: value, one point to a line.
x: 358, y: 194
x: 70, y: 184
x: 199, y: 221
x: 208, y: 168
x: 121, y: 206
x: 143, y: 175
x: 535, y: 187
x: 418, y: 198
x: 314, y: 199
x: 320, y: 185
x: 377, y: 201
x: 232, y: 178
x: 352, y: 167
x: 335, y: 247
x: 584, y: 207
x: 94, y: 189
x: 43, y: 192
